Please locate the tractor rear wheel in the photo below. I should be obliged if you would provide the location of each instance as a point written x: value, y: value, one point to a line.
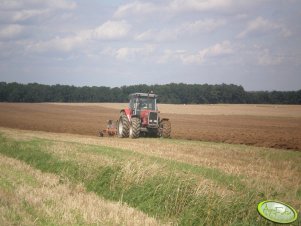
x: 135, y: 127
x: 123, y: 126
x: 165, y: 128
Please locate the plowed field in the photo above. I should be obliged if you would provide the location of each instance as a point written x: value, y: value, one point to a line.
x: 262, y: 125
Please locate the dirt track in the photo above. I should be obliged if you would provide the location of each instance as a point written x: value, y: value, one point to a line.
x: 260, y: 130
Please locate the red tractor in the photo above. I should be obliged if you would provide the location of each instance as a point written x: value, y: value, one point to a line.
x: 142, y: 118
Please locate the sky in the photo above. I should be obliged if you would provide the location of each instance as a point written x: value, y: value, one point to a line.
x: 253, y: 43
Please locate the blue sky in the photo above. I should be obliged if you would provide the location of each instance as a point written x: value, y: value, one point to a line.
x: 253, y: 43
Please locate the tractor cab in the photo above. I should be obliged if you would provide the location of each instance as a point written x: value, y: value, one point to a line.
x: 142, y: 102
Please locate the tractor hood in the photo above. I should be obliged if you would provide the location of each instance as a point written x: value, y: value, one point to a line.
x: 149, y: 118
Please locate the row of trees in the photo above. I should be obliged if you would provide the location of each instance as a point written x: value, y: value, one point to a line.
x: 169, y: 93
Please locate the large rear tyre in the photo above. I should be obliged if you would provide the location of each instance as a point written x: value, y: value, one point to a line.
x: 165, y: 128
x: 123, y: 126
x: 135, y: 128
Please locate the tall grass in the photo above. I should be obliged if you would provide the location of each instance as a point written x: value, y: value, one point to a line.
x: 172, y: 196
x: 30, y: 197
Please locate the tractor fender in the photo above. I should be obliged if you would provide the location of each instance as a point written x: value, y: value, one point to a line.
x: 128, y: 113
x: 164, y: 119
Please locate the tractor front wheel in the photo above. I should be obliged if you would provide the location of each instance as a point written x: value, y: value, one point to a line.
x: 165, y: 128
x: 135, y: 127
x: 123, y: 126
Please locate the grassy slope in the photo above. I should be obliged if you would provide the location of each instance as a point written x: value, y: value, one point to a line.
x: 29, y: 197
x: 186, y: 187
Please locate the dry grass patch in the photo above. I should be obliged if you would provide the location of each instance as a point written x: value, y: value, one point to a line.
x: 262, y: 164
x: 77, y: 153
x: 51, y: 201
x: 251, y: 162
x: 209, y: 175
x: 136, y: 172
x: 206, y: 187
x: 132, y: 170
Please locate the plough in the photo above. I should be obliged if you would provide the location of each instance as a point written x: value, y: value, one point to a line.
x: 111, y: 129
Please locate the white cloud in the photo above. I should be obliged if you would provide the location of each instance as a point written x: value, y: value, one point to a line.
x: 141, y: 8
x: 259, y: 55
x: 27, y: 14
x: 10, y: 4
x: 130, y: 53
x: 11, y: 31
x: 21, y: 4
x: 179, y: 6
x: 196, y: 5
x: 217, y: 50
x: 263, y: 25
x: 265, y: 58
x: 158, y: 35
x: 173, y: 6
x: 22, y: 10
x: 206, y: 25
x: 57, y: 44
x: 189, y: 28
x: 61, y: 4
x: 110, y: 30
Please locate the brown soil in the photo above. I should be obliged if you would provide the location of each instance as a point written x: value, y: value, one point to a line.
x: 267, y: 131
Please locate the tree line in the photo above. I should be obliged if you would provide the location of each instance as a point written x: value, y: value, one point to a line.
x: 174, y: 93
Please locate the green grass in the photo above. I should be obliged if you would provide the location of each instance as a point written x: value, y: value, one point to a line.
x: 15, y: 211
x: 14, y: 177
x: 171, y: 195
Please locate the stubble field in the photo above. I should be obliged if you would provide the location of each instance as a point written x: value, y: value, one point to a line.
x: 56, y: 171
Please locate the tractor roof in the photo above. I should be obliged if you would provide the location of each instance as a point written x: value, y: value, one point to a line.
x: 151, y: 95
